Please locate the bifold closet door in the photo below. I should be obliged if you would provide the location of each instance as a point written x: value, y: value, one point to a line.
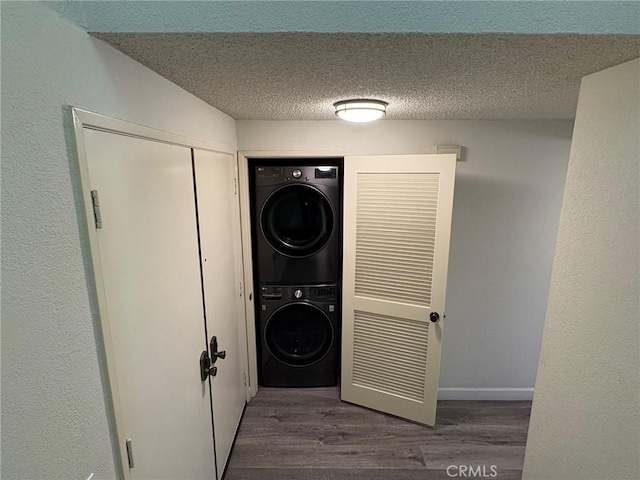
x: 397, y: 223
x: 219, y: 222
x: 148, y: 277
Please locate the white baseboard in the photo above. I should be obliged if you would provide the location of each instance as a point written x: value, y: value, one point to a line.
x: 485, y: 394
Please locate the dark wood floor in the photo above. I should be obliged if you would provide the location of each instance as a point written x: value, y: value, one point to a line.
x: 309, y: 434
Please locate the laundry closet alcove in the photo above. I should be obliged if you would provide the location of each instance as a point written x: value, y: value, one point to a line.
x: 396, y: 231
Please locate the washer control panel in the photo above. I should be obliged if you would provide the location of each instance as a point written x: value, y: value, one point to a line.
x: 268, y: 292
x: 314, y: 293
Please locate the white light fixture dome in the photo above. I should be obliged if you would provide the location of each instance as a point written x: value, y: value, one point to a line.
x: 360, y: 110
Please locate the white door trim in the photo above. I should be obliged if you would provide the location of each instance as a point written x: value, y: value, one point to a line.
x: 85, y: 119
x: 245, y: 218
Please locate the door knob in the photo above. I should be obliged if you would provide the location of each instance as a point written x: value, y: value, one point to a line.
x: 215, y: 354
x: 221, y: 354
x: 434, y: 317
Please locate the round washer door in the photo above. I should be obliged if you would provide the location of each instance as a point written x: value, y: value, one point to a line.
x: 297, y: 220
x: 298, y: 334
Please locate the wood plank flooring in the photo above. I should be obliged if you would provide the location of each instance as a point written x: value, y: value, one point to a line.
x: 309, y: 434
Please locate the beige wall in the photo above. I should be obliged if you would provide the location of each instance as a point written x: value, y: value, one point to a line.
x: 585, y: 422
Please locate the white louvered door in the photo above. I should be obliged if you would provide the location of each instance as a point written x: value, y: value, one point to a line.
x: 397, y: 223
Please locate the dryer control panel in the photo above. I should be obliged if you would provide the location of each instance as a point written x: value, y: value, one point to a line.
x: 267, y: 175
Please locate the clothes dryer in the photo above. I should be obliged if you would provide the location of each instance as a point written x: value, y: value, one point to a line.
x: 297, y: 222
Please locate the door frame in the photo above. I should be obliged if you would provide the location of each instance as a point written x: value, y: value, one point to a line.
x: 245, y: 219
x: 95, y: 121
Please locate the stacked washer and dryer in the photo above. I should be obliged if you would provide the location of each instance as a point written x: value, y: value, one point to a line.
x: 297, y: 246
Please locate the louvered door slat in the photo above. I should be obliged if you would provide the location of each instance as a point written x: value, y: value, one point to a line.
x: 396, y: 226
x: 375, y: 273
x: 389, y: 263
x: 384, y: 242
x: 404, y: 364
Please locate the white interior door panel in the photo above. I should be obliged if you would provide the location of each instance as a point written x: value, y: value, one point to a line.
x: 397, y: 223
x: 220, y: 244
x: 153, y: 318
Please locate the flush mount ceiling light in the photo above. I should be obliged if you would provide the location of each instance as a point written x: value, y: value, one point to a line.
x: 360, y: 110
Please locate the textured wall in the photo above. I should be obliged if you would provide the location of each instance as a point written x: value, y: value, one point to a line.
x: 54, y: 413
x: 585, y: 421
x: 505, y: 217
x: 356, y: 16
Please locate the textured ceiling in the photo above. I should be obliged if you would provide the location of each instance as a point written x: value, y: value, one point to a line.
x: 298, y: 76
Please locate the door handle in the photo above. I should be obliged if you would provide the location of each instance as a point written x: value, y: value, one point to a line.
x: 215, y: 354
x: 206, y: 368
x: 434, y: 317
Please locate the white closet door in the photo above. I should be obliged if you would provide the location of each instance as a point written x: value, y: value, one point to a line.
x: 152, y: 315
x: 219, y: 221
x: 397, y: 223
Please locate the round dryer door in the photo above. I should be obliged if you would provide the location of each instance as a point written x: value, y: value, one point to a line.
x: 298, y: 334
x: 297, y: 220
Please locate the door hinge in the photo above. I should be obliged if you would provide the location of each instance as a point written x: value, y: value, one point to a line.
x: 244, y: 378
x: 240, y: 289
x: 96, y: 208
x: 235, y: 186
x: 127, y: 443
